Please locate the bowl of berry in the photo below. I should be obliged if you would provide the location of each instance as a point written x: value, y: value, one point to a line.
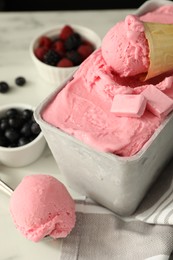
x: 21, y: 139
x: 59, y: 51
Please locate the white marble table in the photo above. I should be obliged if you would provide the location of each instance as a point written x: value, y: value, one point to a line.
x: 16, y: 33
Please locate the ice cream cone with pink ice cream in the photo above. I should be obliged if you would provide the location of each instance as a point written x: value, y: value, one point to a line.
x: 142, y: 48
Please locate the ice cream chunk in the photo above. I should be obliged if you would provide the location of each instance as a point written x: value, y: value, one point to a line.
x: 41, y: 206
x: 125, y: 48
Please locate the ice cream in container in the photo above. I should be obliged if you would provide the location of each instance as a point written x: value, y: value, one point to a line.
x: 114, y: 164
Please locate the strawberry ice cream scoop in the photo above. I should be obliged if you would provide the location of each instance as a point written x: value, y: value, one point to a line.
x: 125, y: 48
x: 41, y: 206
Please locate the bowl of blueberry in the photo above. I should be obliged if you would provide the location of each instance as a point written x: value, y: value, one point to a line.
x: 58, y: 52
x: 21, y: 139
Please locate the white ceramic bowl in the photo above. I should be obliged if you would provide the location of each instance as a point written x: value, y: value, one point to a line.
x: 55, y: 75
x: 23, y: 155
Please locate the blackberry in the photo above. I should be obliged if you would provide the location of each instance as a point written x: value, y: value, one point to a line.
x: 55, y: 53
x: 73, y: 42
x: 51, y: 58
x: 4, y: 87
x: 20, y: 81
x: 75, y: 57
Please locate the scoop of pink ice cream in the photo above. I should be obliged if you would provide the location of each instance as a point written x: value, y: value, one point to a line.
x: 163, y: 14
x: 41, y: 206
x: 125, y: 47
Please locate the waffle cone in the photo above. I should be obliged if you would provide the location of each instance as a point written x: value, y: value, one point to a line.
x: 160, y: 40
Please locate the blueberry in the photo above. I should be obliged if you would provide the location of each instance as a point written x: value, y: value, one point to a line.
x: 20, y: 81
x: 3, y: 141
x: 12, y: 135
x: 23, y: 140
x: 15, y: 122
x: 4, y: 124
x: 18, y: 127
x: 35, y: 128
x: 12, y: 145
x: 12, y: 112
x: 27, y: 114
x: 4, y: 87
x: 26, y: 130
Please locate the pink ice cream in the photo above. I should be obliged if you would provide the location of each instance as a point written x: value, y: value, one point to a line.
x: 41, y: 206
x: 125, y: 47
x: 162, y: 14
x: 85, y: 107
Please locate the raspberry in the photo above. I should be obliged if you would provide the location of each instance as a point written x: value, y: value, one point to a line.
x: 66, y: 32
x: 68, y: 44
x: 59, y: 47
x: 85, y: 50
x: 45, y: 41
x: 40, y: 52
x: 64, y: 62
x: 73, y: 42
x: 86, y: 42
x: 75, y: 57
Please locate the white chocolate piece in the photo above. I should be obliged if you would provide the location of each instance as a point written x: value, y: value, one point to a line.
x: 157, y: 102
x: 128, y: 105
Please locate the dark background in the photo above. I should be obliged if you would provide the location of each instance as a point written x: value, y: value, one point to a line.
x: 48, y: 5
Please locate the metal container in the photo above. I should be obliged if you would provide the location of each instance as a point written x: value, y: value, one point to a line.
x: 118, y: 183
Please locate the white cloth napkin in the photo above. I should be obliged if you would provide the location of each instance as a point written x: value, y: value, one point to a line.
x: 100, y: 234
